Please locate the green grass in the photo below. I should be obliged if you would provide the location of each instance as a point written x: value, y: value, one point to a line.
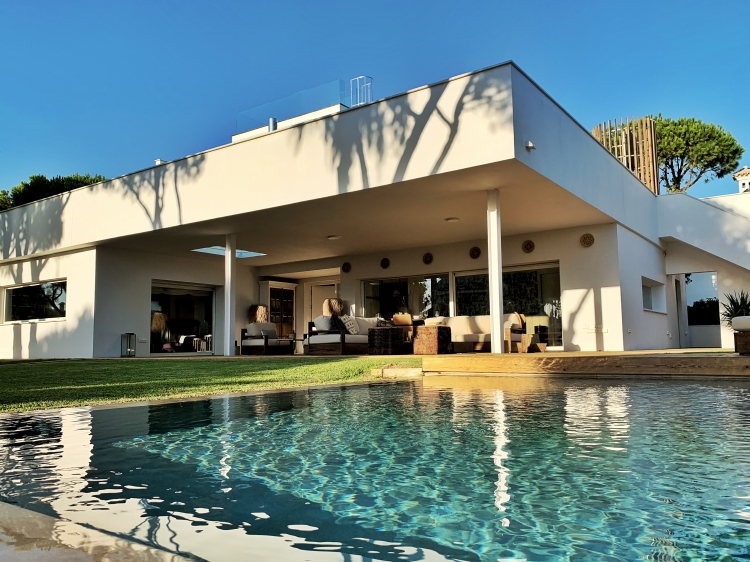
x: 56, y: 384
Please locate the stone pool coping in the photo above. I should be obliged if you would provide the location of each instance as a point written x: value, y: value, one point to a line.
x: 34, y: 537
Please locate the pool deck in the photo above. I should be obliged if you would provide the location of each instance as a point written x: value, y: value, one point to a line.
x: 662, y: 363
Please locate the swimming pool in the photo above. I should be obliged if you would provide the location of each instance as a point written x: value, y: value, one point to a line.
x: 445, y: 468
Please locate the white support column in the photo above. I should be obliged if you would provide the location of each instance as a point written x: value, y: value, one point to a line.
x: 230, y: 293
x: 495, y: 264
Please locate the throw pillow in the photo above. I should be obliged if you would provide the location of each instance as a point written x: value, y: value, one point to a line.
x: 350, y: 323
x: 337, y: 325
x: 322, y: 323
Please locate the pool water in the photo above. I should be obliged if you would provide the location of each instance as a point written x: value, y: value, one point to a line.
x: 480, y: 469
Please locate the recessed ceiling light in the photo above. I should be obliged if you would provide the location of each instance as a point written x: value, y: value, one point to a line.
x: 452, y: 219
x: 334, y: 236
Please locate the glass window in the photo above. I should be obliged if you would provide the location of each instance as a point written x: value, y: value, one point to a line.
x: 535, y: 293
x: 648, y: 301
x: 423, y: 296
x: 702, y: 295
x: 36, y: 302
x: 473, y: 295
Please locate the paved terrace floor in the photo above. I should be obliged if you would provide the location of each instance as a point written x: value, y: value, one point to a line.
x: 662, y: 363
x: 659, y: 363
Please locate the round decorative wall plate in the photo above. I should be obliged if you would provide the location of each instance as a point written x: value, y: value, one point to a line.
x: 385, y: 263
x: 475, y: 252
x: 527, y: 246
x: 587, y: 240
x: 427, y: 258
x: 346, y: 267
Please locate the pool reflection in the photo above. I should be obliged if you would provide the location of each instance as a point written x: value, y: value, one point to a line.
x: 444, y: 468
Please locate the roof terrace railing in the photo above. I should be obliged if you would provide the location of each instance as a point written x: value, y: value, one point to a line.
x: 358, y: 92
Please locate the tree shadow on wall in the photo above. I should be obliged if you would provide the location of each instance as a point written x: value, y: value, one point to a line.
x: 39, y: 227
x: 151, y: 187
x: 366, y: 136
x: 31, y: 229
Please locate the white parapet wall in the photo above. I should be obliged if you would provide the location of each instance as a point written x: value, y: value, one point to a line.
x: 291, y: 122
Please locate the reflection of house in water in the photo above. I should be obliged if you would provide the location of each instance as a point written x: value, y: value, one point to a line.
x: 597, y: 416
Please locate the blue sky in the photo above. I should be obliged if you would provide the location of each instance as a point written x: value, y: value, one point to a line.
x: 107, y: 87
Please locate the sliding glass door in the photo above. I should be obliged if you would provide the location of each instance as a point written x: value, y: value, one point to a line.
x: 532, y: 292
x: 535, y: 293
x: 182, y: 319
x: 421, y: 296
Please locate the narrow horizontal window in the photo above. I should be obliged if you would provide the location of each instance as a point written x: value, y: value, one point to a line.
x: 36, y: 302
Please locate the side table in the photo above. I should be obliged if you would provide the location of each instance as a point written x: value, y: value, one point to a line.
x: 432, y: 340
x: 386, y: 341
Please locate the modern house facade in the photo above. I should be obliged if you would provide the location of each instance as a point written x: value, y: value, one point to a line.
x: 478, y: 195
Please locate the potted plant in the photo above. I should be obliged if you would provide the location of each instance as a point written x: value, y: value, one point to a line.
x: 738, y: 304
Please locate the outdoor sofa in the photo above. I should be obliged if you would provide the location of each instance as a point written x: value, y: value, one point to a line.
x: 468, y: 334
x: 321, y: 340
x: 260, y: 338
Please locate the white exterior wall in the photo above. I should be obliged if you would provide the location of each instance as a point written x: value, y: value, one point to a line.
x: 682, y: 258
x: 648, y: 329
x: 123, y: 297
x: 71, y: 337
x: 568, y: 155
x: 589, y: 283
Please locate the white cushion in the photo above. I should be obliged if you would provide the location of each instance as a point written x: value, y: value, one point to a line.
x: 351, y: 324
x: 435, y: 321
x: 271, y: 342
x: 480, y: 324
x: 359, y: 338
x: 255, y: 328
x: 477, y: 337
x: 458, y: 324
x: 322, y: 323
x: 335, y: 338
x: 741, y: 324
x: 365, y: 324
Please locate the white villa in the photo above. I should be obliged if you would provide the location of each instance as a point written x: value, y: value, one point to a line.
x: 421, y: 202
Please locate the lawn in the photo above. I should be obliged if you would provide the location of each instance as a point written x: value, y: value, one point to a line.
x: 56, y: 384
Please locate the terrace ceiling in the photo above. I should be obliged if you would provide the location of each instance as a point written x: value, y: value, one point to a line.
x: 402, y: 215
